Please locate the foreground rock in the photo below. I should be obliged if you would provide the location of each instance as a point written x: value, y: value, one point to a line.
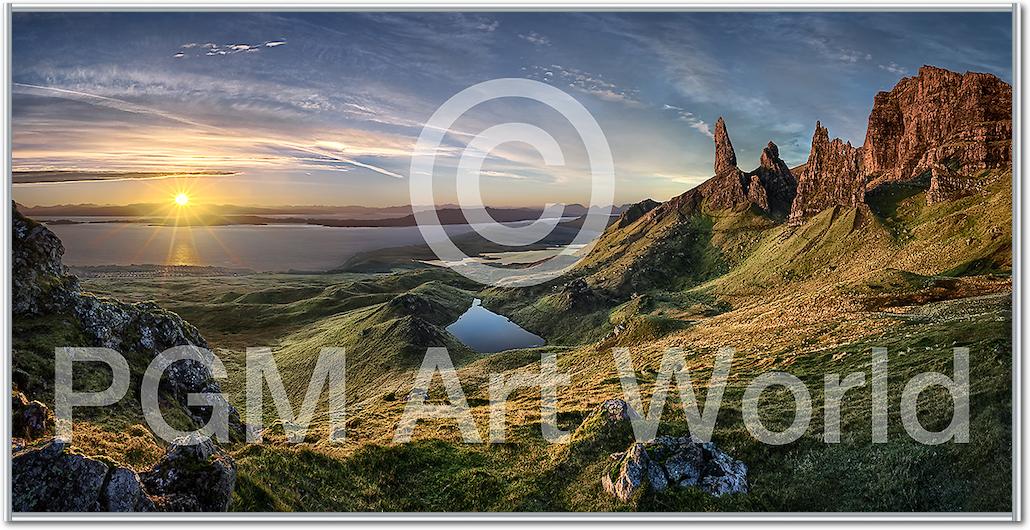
x: 192, y: 478
x: 51, y: 478
x: 29, y: 419
x: 667, y: 462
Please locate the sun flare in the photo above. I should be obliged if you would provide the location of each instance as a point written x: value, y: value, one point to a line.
x: 182, y: 199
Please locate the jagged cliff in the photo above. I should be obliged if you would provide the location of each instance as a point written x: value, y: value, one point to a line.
x: 939, y: 124
x: 939, y: 119
x: 831, y: 177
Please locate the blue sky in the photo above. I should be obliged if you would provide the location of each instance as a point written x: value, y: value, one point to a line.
x: 325, y: 108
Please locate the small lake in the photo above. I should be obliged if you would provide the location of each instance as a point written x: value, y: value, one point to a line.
x: 487, y: 332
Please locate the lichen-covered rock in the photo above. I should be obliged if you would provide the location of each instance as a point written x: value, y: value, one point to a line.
x: 29, y: 419
x: 39, y: 282
x: 194, y: 475
x: 667, y: 462
x: 50, y: 478
x: 124, y: 493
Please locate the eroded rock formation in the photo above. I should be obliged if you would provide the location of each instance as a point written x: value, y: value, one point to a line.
x: 939, y: 119
x: 770, y: 187
x: 831, y: 177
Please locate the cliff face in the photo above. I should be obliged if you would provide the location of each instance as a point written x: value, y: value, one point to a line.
x: 831, y: 177
x: 939, y: 119
x: 943, y: 124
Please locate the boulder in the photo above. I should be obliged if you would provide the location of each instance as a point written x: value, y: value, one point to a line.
x: 195, y: 475
x: 29, y: 419
x: 668, y: 462
x: 50, y: 478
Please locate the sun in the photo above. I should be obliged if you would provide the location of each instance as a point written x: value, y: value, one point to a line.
x: 182, y: 199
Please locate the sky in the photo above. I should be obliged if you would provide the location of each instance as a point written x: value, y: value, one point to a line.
x: 325, y: 108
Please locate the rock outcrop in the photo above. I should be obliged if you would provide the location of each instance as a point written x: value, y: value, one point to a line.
x: 39, y: 282
x: 831, y: 177
x: 29, y: 419
x: 939, y: 124
x: 662, y: 463
x: 41, y: 285
x: 776, y: 179
x: 193, y: 476
x: 939, y: 120
x: 635, y: 212
x: 52, y: 478
x: 725, y: 157
x: 667, y: 462
x: 770, y: 187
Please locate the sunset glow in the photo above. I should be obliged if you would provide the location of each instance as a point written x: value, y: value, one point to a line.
x: 182, y: 199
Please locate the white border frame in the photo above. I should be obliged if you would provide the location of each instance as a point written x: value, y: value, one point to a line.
x: 1019, y: 195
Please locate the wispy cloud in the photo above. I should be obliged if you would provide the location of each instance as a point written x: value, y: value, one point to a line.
x: 535, y: 38
x: 210, y: 49
x: 693, y: 121
x: 586, y: 82
x: 894, y: 68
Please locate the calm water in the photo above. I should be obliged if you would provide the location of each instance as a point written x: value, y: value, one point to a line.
x: 487, y: 332
x: 261, y: 248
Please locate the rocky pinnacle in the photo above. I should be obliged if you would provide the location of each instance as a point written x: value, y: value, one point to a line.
x: 725, y: 158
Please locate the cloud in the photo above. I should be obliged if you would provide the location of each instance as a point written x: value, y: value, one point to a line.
x: 894, y: 68
x: 851, y: 56
x: 586, y: 82
x: 691, y: 120
x: 210, y: 49
x: 60, y: 176
x: 488, y: 26
x: 535, y: 38
x: 103, y: 101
